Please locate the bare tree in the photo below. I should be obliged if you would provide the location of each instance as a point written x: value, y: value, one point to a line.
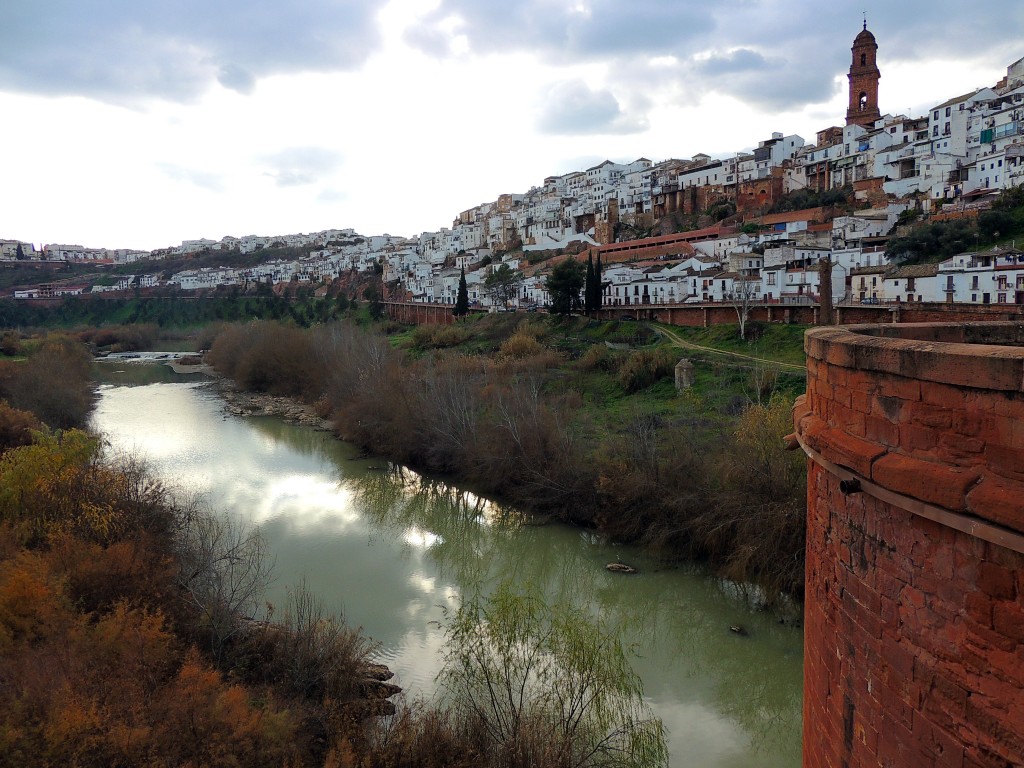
x: 741, y: 297
x: 224, y: 570
x: 316, y: 653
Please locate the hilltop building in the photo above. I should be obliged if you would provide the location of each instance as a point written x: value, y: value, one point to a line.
x: 864, y: 76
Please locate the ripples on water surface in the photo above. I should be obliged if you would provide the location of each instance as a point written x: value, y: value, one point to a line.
x: 393, y: 549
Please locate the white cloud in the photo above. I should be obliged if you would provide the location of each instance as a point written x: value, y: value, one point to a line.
x: 269, y: 118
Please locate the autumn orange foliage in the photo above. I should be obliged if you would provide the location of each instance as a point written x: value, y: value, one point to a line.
x: 97, y: 663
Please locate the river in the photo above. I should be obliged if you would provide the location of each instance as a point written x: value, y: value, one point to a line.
x: 393, y: 550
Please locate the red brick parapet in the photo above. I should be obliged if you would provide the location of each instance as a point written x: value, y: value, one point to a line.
x: 934, y: 412
x: 915, y: 545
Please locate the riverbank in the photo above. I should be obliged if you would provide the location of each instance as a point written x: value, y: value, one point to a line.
x: 531, y: 410
x: 239, y: 402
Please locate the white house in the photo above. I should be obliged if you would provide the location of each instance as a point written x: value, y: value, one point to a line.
x: 915, y: 282
x: 987, y: 277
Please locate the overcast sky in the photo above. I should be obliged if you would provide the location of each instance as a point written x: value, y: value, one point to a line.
x: 140, y: 123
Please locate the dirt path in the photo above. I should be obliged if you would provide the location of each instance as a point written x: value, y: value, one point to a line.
x: 680, y: 342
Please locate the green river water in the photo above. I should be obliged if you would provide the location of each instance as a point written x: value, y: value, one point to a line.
x: 393, y: 549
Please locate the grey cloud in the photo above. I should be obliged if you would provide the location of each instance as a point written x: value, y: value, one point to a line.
x: 236, y: 79
x: 741, y: 60
x: 565, y: 31
x: 768, y: 83
x: 773, y: 54
x: 785, y: 54
x: 574, y: 108
x: 298, y: 166
x: 124, y: 50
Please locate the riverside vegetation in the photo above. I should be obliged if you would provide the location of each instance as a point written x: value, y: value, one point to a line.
x: 125, y: 637
x: 543, y: 413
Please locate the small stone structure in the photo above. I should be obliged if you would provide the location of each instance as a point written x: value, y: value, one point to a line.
x: 914, y: 619
x: 684, y: 375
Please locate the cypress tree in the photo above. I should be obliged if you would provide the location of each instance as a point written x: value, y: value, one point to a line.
x: 462, y: 298
x: 598, y: 293
x: 588, y: 285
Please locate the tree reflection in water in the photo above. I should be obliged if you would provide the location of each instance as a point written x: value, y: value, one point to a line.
x: 479, y: 542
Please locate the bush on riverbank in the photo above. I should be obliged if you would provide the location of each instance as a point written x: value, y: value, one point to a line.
x: 269, y: 357
x: 94, y: 637
x: 559, y: 437
x: 54, y: 382
x: 122, y: 338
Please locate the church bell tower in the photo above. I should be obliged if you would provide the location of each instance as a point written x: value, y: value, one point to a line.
x: 864, y: 76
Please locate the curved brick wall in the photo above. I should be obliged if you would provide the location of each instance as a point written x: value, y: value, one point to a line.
x: 914, y: 628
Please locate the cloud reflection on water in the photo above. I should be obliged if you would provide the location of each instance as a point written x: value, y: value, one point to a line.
x: 393, y: 550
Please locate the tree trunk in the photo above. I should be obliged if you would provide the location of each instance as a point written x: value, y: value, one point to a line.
x: 825, y: 311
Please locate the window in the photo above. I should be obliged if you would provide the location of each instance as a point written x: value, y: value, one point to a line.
x: 947, y: 111
x: 863, y: 59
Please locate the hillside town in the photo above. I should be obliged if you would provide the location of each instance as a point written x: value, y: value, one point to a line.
x: 948, y: 164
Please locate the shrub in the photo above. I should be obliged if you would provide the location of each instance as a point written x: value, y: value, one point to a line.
x: 599, y: 357
x: 122, y: 338
x: 307, y: 652
x: 10, y: 344
x: 439, y: 336
x: 270, y: 357
x: 448, y: 335
x: 520, y: 344
x: 16, y: 427
x: 644, y: 367
x: 54, y: 383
